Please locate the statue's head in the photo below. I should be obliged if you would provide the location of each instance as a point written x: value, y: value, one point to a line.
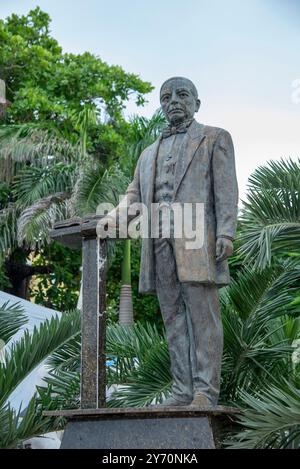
x: 179, y: 99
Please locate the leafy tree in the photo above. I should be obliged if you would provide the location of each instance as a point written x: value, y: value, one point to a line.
x: 145, y: 307
x: 45, y: 83
x: 53, y: 96
x: 59, y: 289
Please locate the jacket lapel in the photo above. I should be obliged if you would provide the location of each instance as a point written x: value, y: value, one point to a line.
x: 150, y: 172
x: 190, y: 145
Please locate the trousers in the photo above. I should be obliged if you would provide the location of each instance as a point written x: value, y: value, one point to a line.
x: 192, y: 320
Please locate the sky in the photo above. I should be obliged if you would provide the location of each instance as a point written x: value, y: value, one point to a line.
x: 242, y: 55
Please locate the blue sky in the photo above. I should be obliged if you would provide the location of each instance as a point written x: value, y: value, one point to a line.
x: 243, y: 56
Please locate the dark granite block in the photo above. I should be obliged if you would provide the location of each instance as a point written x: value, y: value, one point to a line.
x: 156, y: 433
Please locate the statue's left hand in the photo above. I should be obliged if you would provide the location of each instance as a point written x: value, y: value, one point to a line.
x: 224, y: 249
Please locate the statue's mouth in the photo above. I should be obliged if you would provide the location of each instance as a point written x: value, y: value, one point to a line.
x: 175, y: 110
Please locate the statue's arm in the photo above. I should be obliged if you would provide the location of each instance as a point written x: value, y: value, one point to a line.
x: 225, y: 186
x: 118, y: 218
x: 133, y: 192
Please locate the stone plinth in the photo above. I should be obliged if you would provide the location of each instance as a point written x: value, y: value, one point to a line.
x: 147, y: 428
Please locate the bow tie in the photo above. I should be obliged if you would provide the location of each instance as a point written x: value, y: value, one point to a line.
x: 176, y: 129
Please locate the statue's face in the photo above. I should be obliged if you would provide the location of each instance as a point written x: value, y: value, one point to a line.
x: 178, y: 101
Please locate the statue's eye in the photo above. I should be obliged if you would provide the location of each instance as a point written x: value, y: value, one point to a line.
x: 183, y: 95
x: 166, y: 98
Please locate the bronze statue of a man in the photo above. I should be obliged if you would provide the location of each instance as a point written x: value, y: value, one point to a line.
x: 189, y: 163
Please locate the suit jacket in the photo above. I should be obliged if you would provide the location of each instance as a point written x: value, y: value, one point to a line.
x: 205, y: 173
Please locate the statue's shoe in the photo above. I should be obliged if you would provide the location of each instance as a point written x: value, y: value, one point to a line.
x: 173, y: 402
x: 200, y: 400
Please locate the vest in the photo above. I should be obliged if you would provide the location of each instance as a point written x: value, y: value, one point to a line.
x: 165, y: 171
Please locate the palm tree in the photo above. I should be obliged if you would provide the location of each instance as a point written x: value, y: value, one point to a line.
x: 270, y: 221
x: 38, y: 175
x: 272, y: 419
x: 259, y: 311
x: 18, y: 361
x: 44, y: 171
x: 54, y: 179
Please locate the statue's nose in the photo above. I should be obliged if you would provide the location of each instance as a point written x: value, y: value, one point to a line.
x: 174, y: 99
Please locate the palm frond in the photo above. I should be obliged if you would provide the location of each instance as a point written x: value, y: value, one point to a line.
x: 277, y: 175
x: 270, y: 219
x: 265, y: 294
x: 150, y: 382
x: 271, y: 419
x: 12, y: 318
x: 62, y: 391
x: 143, y: 133
x: 99, y: 186
x: 35, y: 143
x: 35, y: 222
x: 34, y: 183
x: 15, y: 428
x: 8, y: 230
x: 33, y: 348
x: 257, y: 346
x: 67, y: 357
x: 141, y: 365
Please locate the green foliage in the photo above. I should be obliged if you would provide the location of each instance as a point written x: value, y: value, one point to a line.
x: 257, y: 339
x: 22, y: 358
x: 60, y: 288
x: 99, y: 185
x: 141, y: 355
x: 145, y: 307
x: 272, y: 419
x: 14, y: 428
x: 32, y: 349
x: 141, y: 133
x: 45, y: 83
x: 11, y: 320
x: 63, y: 133
x: 270, y: 221
x: 140, y: 364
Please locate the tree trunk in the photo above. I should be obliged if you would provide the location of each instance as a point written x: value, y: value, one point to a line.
x: 19, y: 273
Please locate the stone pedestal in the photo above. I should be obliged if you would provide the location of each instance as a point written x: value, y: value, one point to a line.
x: 149, y: 428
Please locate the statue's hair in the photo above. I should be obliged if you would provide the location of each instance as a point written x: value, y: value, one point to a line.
x: 190, y: 83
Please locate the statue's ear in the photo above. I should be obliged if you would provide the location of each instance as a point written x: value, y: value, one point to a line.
x: 198, y: 104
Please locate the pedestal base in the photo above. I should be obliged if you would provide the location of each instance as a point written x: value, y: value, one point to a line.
x: 149, y: 428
